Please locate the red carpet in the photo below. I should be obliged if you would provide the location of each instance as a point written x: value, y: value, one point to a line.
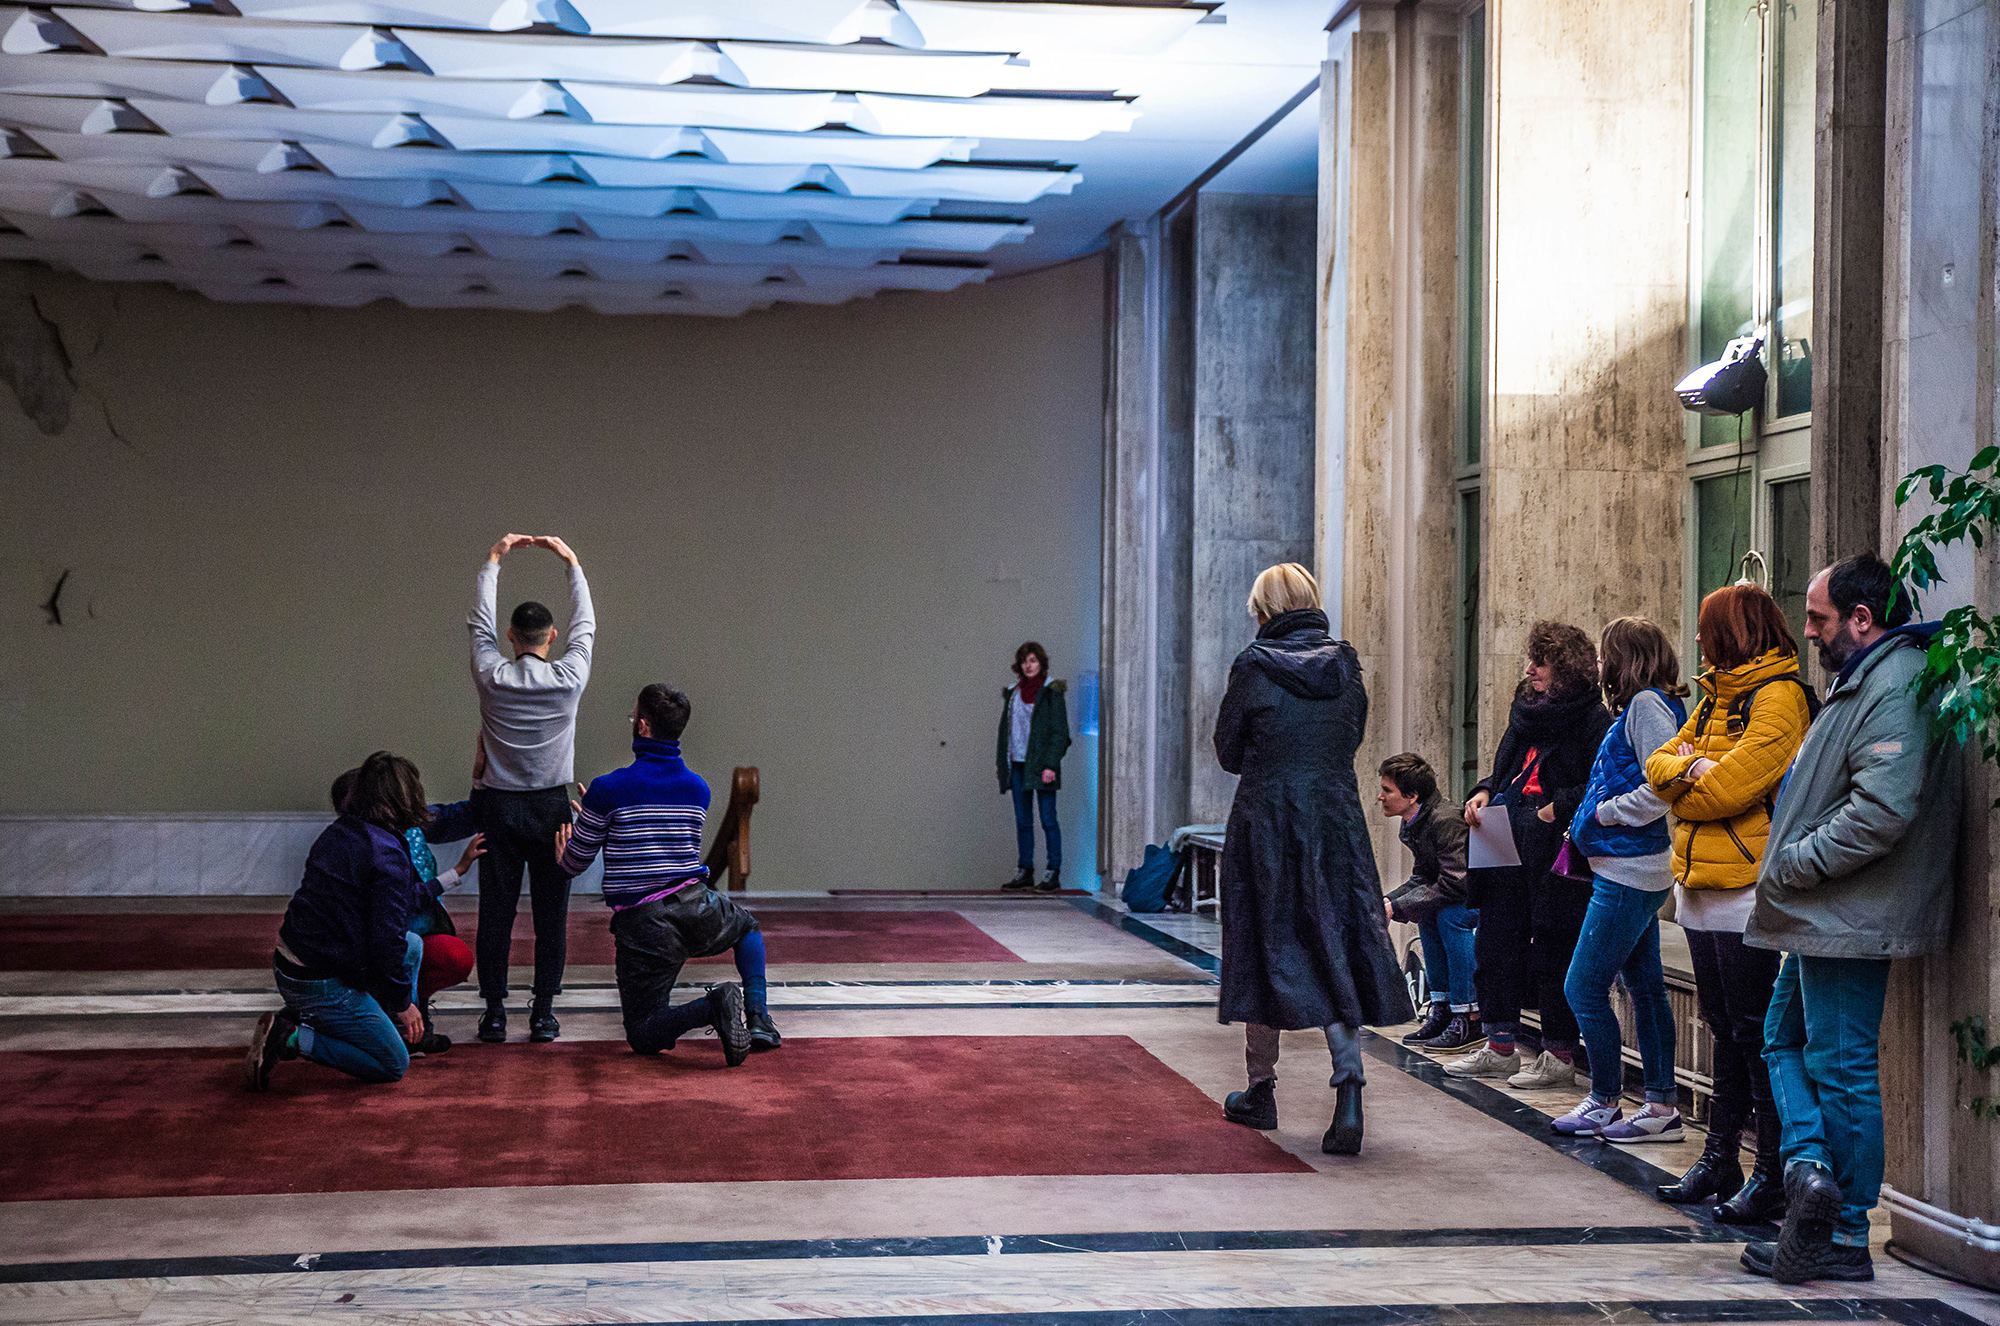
x: 219, y: 941
x: 178, y: 1122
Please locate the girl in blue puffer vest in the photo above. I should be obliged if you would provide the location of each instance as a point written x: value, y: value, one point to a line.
x: 1621, y: 829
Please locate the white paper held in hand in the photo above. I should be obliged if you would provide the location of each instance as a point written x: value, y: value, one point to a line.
x: 1490, y: 842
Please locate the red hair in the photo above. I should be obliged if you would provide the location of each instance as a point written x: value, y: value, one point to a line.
x: 1740, y: 622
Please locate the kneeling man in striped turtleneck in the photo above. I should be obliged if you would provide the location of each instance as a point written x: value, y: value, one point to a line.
x: 647, y: 820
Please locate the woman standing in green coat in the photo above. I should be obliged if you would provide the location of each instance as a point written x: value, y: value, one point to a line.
x: 1034, y: 733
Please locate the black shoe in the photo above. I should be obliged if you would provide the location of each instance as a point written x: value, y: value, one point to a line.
x: 1717, y: 1174
x: 1052, y: 883
x: 764, y: 1032
x: 268, y: 1045
x: 1343, y: 1135
x: 493, y: 1024
x: 1024, y: 880
x: 1461, y: 1033
x: 1812, y: 1205
x: 433, y: 1040
x: 725, y: 1014
x: 1759, y: 1201
x: 1827, y: 1261
x: 1255, y: 1107
x: 1434, y: 1024
x: 542, y: 1024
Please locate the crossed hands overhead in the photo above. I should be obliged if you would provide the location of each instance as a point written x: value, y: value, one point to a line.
x: 549, y: 541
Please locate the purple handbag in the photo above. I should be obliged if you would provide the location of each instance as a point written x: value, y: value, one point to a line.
x: 1570, y: 863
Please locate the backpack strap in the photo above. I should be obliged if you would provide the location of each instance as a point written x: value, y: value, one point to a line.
x: 1738, y: 716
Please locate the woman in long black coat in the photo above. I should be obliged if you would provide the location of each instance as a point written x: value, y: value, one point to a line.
x: 1305, y: 942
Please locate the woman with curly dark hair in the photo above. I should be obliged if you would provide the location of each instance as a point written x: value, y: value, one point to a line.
x: 1529, y: 919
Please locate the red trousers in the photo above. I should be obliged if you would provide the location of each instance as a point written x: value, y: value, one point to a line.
x: 447, y: 961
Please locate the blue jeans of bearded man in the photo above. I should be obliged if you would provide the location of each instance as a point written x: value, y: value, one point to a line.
x: 1822, y: 1044
x: 1024, y: 823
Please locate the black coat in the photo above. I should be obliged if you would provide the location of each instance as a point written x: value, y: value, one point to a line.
x: 1048, y: 738
x: 1436, y: 839
x: 1305, y: 940
x: 1564, y: 735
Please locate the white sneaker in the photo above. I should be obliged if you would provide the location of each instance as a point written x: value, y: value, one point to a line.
x: 1544, y: 1073
x: 1484, y: 1062
x: 1645, y: 1127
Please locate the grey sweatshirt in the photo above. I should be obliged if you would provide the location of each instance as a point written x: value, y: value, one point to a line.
x: 527, y: 706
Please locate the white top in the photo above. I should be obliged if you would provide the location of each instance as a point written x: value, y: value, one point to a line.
x: 527, y: 706
x: 1724, y: 910
x: 1020, y: 715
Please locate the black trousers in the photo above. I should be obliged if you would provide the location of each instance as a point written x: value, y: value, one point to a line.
x: 1527, y: 935
x: 1732, y: 985
x: 520, y: 829
x: 655, y: 940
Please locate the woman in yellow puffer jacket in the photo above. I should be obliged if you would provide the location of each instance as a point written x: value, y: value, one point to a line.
x: 1720, y: 774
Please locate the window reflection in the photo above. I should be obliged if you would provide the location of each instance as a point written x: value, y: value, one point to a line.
x: 1795, y: 34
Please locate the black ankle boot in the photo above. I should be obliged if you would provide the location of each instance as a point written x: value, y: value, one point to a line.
x: 434, y: 1041
x: 1051, y: 883
x: 1255, y: 1107
x: 1343, y: 1135
x: 1717, y: 1174
x: 542, y: 1024
x: 1434, y: 1024
x: 1024, y: 880
x: 493, y: 1023
x: 1759, y: 1201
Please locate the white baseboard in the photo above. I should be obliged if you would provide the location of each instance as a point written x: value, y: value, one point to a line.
x: 196, y: 854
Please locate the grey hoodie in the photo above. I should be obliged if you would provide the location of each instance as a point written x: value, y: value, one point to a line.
x: 1860, y: 859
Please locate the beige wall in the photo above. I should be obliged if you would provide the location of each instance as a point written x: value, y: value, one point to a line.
x: 830, y: 526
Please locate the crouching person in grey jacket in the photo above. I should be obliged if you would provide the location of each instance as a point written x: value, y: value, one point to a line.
x: 1858, y: 871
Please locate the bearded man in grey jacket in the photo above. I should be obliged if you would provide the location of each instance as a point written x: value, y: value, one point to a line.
x: 1858, y: 870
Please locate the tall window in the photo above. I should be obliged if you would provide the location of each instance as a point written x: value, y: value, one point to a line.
x: 1471, y: 397
x: 1752, y: 242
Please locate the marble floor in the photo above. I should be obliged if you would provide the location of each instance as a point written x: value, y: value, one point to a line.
x: 1462, y: 1209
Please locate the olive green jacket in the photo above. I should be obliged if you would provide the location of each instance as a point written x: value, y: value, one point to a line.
x: 1048, y: 737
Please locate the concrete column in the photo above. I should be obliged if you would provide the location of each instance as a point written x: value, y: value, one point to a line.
x: 1125, y: 656
x: 1390, y: 166
x: 1588, y: 310
x: 1253, y: 440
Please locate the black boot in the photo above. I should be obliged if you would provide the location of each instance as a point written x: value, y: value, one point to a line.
x: 763, y: 1032
x: 1024, y: 880
x: 434, y: 1041
x: 493, y: 1023
x: 1805, y: 1240
x: 1052, y: 883
x: 1718, y: 1173
x: 1343, y: 1135
x: 1256, y: 1107
x: 1762, y: 1199
x: 542, y: 1024
x: 1461, y: 1033
x: 1434, y: 1024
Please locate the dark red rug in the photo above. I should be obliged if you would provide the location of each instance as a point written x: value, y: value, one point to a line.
x: 178, y: 1122
x: 220, y: 941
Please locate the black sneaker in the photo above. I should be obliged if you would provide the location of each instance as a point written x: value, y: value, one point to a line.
x: 1824, y: 1261
x: 1255, y: 1107
x: 268, y: 1044
x: 725, y: 1014
x: 1024, y: 880
x: 1051, y: 884
x: 433, y: 1041
x: 493, y: 1024
x: 542, y: 1024
x: 764, y: 1032
x: 1812, y: 1205
x: 1434, y: 1024
x: 1461, y: 1033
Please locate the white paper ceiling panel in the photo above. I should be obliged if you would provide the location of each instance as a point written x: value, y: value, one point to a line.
x: 857, y: 69
x: 36, y: 32
x: 552, y: 134
x: 574, y: 197
x: 938, y: 236
x: 257, y: 186
x: 75, y: 115
x: 959, y: 183
x: 792, y: 112
x: 476, y: 14
x: 691, y: 172
x: 160, y: 150
x: 67, y: 75
x: 186, y: 209
x: 417, y: 94
x: 269, y: 124
x: 990, y: 117
x: 809, y: 206
x: 508, y: 168
x: 677, y: 226
x: 143, y: 36
x: 1018, y: 25
x: 824, y: 21
x: 342, y: 240
x: 589, y: 59
x: 834, y: 148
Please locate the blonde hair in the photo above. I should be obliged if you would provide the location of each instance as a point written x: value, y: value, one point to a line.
x: 1283, y: 589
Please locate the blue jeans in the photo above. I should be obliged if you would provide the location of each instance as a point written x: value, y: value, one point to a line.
x: 1621, y: 937
x: 345, y: 1028
x: 1024, y: 824
x: 1821, y: 1043
x: 1447, y: 938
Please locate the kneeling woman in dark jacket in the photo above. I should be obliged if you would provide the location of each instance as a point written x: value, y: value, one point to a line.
x: 346, y: 960
x: 1306, y: 938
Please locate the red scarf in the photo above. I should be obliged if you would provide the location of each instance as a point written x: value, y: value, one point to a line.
x: 1031, y: 688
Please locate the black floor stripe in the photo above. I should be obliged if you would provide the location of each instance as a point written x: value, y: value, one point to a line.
x: 973, y: 1245
x: 1159, y: 939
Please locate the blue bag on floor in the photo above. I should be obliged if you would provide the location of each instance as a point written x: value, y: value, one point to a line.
x: 1147, y: 884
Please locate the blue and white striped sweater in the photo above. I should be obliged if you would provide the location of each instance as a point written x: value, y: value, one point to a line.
x: 647, y: 819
